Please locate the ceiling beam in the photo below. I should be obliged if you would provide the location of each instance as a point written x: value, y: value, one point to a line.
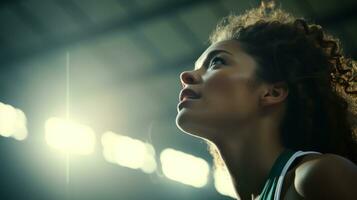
x: 138, y: 18
x: 161, y: 11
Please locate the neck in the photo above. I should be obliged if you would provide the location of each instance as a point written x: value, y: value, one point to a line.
x: 249, y: 159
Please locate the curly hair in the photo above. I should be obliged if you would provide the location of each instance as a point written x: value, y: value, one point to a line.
x: 322, y: 102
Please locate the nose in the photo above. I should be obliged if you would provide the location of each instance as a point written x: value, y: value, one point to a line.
x: 189, y: 77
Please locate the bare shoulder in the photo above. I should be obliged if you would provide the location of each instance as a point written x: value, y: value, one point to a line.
x: 327, y: 176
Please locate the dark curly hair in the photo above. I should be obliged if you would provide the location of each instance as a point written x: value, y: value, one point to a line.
x: 321, y: 105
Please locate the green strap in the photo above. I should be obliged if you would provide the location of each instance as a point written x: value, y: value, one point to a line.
x: 272, y: 180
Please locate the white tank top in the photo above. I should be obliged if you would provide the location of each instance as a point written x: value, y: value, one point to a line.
x: 285, y: 169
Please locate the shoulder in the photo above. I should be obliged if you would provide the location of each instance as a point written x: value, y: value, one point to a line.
x: 326, y: 176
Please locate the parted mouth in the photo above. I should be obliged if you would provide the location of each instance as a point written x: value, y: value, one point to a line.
x: 188, y: 93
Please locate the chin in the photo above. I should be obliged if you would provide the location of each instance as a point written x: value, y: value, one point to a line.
x: 190, y: 126
x: 183, y: 122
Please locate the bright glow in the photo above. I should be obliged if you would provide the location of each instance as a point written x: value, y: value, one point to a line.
x: 69, y: 136
x: 12, y: 122
x: 184, y: 168
x: 128, y: 152
x: 223, y: 182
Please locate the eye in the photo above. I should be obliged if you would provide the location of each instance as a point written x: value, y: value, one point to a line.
x: 216, y: 61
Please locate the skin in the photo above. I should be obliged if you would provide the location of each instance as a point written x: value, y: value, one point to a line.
x: 241, y: 117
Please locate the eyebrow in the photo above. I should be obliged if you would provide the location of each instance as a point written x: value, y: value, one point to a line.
x: 212, y: 54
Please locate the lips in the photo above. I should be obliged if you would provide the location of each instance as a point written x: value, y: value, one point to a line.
x: 188, y: 93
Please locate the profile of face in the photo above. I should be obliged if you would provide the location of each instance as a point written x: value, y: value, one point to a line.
x: 219, y: 94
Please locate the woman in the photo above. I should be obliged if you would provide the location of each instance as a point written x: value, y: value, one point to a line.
x: 266, y: 96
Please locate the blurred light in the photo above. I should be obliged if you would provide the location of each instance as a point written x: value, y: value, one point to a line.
x: 12, y: 122
x: 128, y: 152
x: 184, y: 168
x: 223, y: 183
x: 69, y: 136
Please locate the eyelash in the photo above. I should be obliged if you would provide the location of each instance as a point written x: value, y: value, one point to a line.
x: 215, y: 59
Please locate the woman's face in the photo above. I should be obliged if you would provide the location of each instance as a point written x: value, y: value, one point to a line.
x: 225, y: 97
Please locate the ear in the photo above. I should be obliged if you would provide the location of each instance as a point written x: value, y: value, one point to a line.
x: 274, y: 94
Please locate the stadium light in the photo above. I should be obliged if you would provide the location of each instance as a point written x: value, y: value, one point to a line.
x: 223, y: 182
x: 12, y: 122
x: 69, y: 136
x: 184, y: 168
x: 128, y: 152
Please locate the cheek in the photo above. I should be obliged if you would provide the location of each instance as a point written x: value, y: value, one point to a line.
x: 230, y: 92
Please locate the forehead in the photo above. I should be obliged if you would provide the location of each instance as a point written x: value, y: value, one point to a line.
x: 231, y: 46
